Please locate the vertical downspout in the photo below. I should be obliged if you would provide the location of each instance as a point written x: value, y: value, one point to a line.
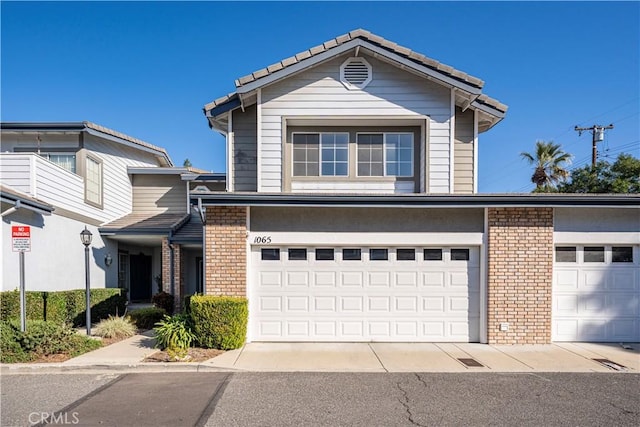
x: 203, y: 217
x: 171, y: 269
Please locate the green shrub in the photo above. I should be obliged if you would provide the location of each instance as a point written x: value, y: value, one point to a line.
x: 41, y: 339
x: 64, y: 306
x: 174, y: 333
x: 115, y: 327
x: 10, y: 349
x: 146, y: 318
x: 219, y: 322
x: 163, y: 300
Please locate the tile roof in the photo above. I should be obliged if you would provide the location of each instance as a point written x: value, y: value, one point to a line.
x: 190, y: 231
x: 125, y: 137
x: 404, y: 52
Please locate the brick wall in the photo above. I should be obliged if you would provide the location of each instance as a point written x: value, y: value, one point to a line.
x: 166, y: 263
x: 520, y: 275
x: 225, y: 246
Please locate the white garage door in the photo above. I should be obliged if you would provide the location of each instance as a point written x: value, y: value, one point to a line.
x: 596, y: 293
x: 402, y: 294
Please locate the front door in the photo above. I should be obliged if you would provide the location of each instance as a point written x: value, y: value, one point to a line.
x: 140, y: 282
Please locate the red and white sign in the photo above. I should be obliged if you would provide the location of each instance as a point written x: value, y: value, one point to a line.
x: 21, y: 238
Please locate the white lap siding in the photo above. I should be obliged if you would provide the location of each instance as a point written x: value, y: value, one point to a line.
x: 318, y: 93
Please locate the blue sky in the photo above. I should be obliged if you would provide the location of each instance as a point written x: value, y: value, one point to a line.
x: 147, y: 69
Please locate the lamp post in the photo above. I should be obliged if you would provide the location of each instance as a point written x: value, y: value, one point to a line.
x: 85, y: 238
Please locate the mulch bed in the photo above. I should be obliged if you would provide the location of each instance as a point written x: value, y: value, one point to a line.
x: 195, y: 354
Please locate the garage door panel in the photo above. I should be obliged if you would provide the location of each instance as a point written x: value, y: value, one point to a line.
x: 324, y: 304
x: 603, y: 304
x: 625, y: 280
x: 434, y: 279
x: 406, y: 279
x: 379, y: 279
x: 297, y: 304
x: 270, y: 304
x: 379, y: 304
x: 366, y: 300
x: 297, y: 279
x: 324, y: 279
x: 271, y: 279
x: 566, y: 279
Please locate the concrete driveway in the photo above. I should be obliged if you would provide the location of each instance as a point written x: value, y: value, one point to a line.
x: 428, y: 357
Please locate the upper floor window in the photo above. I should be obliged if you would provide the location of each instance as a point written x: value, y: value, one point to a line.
x: 64, y: 160
x: 320, y: 154
x: 385, y: 154
x: 93, y: 181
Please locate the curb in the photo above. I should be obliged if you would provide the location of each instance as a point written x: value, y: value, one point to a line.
x: 48, y: 368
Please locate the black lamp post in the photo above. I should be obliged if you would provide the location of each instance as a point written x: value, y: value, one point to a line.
x: 85, y: 237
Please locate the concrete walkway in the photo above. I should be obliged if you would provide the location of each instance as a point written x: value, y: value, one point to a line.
x: 127, y: 356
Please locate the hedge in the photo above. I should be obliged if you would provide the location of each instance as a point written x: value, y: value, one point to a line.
x: 64, y: 306
x: 219, y: 322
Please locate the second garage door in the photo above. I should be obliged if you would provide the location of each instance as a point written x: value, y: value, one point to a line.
x: 350, y: 294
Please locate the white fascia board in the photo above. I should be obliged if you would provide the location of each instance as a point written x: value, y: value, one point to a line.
x: 352, y: 44
x: 365, y: 239
x: 486, y: 109
x: 156, y: 170
x: 602, y: 238
x: 117, y: 140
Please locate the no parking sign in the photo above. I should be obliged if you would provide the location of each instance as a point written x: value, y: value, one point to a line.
x: 21, y: 238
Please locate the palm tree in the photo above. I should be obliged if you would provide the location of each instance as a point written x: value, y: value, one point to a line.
x: 549, y: 165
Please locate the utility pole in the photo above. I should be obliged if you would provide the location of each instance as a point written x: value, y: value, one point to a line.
x: 598, y: 136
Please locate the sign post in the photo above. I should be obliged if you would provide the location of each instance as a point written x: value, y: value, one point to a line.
x: 21, y: 242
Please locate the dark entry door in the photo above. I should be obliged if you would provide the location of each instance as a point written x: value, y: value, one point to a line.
x: 140, y: 277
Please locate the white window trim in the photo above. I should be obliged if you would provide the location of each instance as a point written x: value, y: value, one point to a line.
x: 319, y: 153
x: 384, y: 154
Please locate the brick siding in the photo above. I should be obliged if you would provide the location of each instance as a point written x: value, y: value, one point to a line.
x: 520, y: 275
x: 225, y: 246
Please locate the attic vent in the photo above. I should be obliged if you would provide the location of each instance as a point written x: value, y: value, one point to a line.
x: 355, y: 73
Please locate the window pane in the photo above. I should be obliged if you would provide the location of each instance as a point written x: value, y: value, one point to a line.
x: 566, y: 254
x: 364, y: 169
x: 378, y: 254
x: 306, y: 154
x: 313, y: 169
x: 622, y: 254
x: 328, y: 169
x: 406, y: 254
x: 297, y: 254
x: 376, y: 169
x: 270, y: 254
x: 313, y: 153
x: 370, y: 149
x: 594, y: 254
x: 351, y: 254
x: 376, y: 154
x: 299, y: 169
x: 399, y: 150
x: 66, y: 161
x: 342, y: 169
x: 459, y: 254
x: 93, y: 181
x: 327, y: 155
x: 433, y: 254
x: 342, y: 155
x: 324, y: 254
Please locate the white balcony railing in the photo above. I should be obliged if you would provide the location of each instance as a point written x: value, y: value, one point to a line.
x: 46, y: 181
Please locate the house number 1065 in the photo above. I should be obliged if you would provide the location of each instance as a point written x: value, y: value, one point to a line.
x: 262, y: 239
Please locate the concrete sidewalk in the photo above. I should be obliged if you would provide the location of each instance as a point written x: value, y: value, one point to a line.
x: 127, y: 356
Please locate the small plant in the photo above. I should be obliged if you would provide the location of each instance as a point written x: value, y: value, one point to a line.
x: 146, y: 318
x: 174, y: 335
x: 116, y: 327
x: 163, y: 300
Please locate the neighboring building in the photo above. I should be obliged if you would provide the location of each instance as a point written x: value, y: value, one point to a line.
x: 352, y: 214
x: 60, y: 177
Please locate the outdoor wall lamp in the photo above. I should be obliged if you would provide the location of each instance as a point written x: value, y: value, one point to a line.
x: 108, y: 260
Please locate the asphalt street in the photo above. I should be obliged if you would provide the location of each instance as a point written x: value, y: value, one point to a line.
x: 321, y: 399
